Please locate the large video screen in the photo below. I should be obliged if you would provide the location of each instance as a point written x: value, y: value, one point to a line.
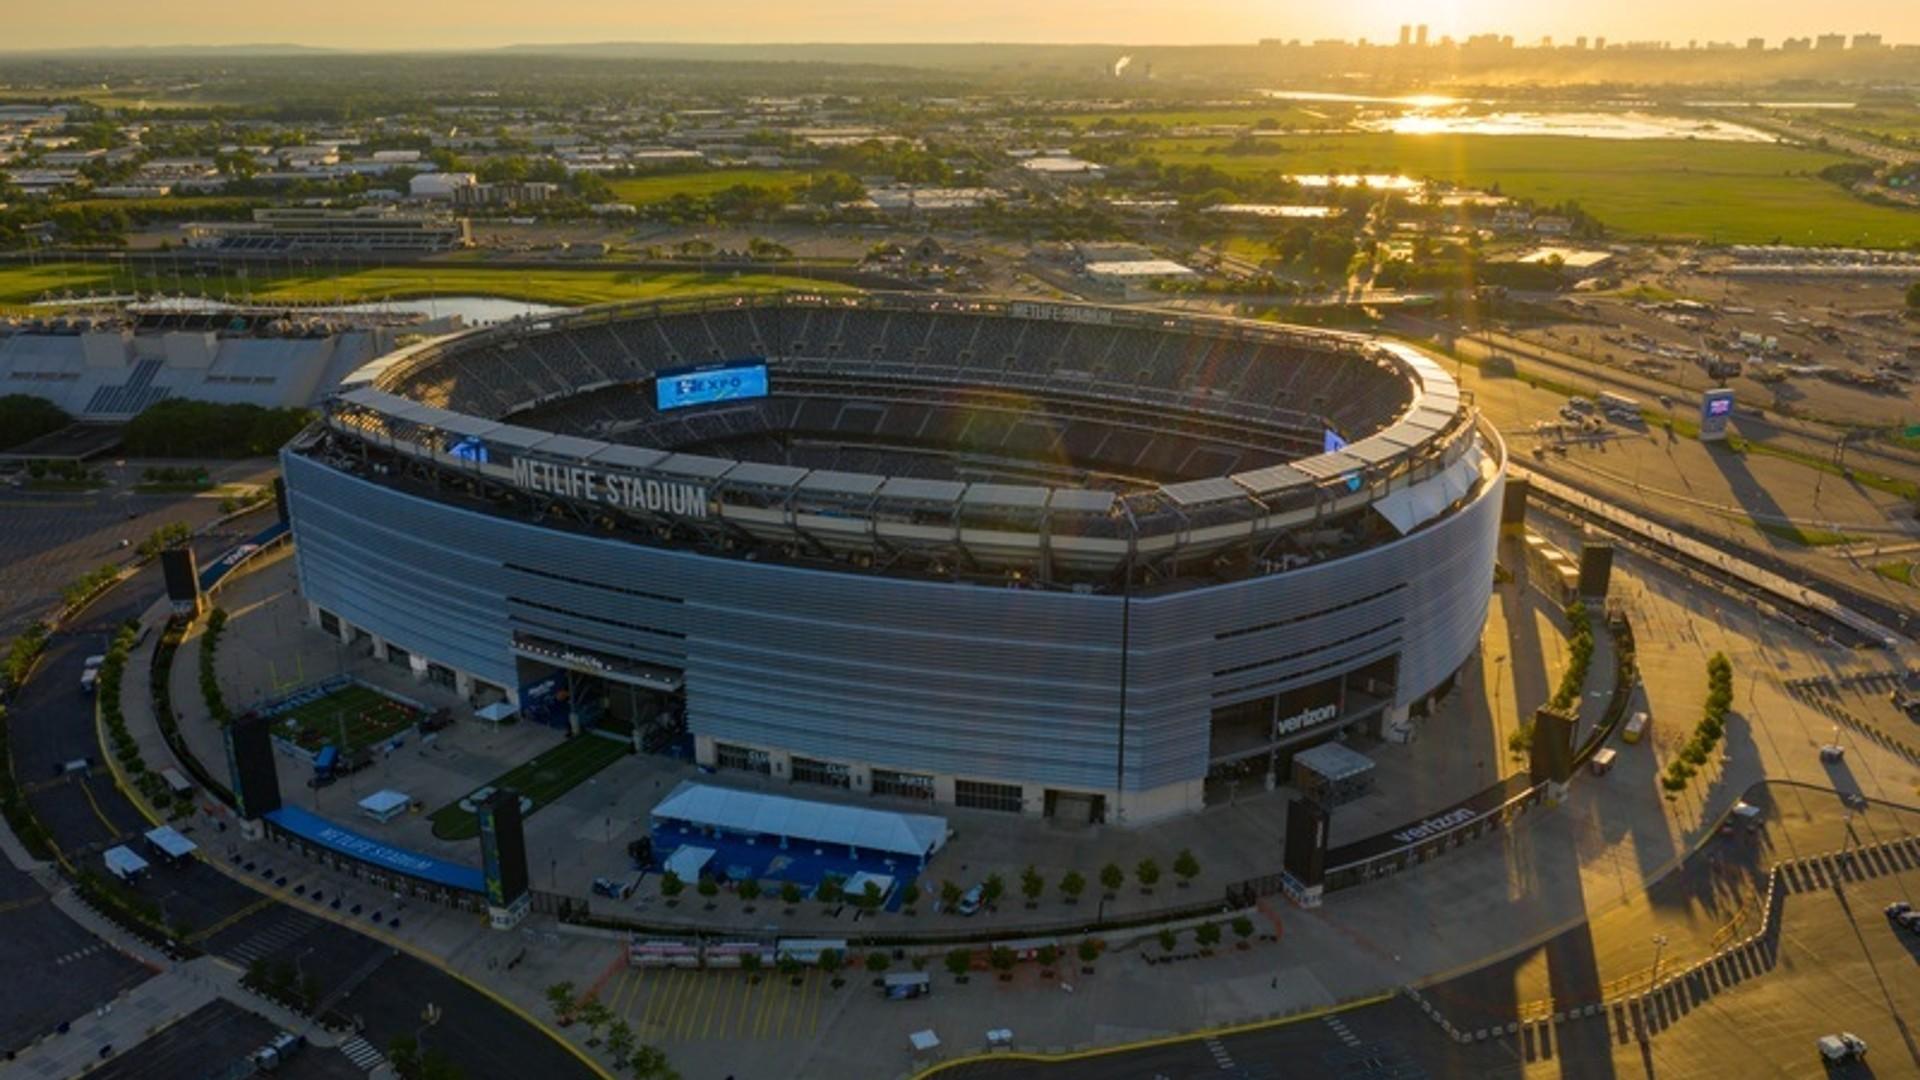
x: 679, y: 388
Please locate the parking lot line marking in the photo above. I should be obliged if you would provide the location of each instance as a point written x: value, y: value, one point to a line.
x: 689, y: 1004
x: 722, y: 1002
x: 729, y: 998
x: 813, y: 1013
x: 206, y: 932
x: 764, y: 1015
x: 654, y: 997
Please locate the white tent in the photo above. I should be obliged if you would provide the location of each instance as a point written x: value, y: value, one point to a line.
x: 749, y: 813
x: 385, y: 805
x: 124, y: 864
x: 856, y: 886
x: 168, y: 841
x: 495, y: 713
x: 923, y: 1041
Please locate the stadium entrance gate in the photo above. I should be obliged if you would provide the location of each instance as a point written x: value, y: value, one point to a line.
x: 585, y: 690
x: 1252, y: 742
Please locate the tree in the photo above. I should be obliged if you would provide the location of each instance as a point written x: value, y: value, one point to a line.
x: 877, y: 961
x: 1186, y: 867
x: 560, y: 1000
x: 1207, y: 934
x: 1148, y: 873
x: 910, y: 896
x: 650, y: 1063
x: 829, y: 890
x: 1913, y: 297
x: 1048, y: 955
x: 750, y: 963
x: 789, y: 893
x: 1167, y: 941
x: 749, y: 890
x: 671, y: 886
x: 1089, y: 950
x: 995, y: 887
x: 1111, y: 878
x: 829, y: 961
x: 1002, y: 960
x: 709, y: 889
x: 595, y: 1014
x: 959, y: 962
x: 1242, y: 928
x: 949, y: 895
x: 1032, y: 885
x: 1072, y: 884
x: 619, y: 1042
x: 870, y: 896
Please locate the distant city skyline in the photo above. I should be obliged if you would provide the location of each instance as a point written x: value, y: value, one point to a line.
x: 365, y: 24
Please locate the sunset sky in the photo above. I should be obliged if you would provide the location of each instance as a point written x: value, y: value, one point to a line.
x: 382, y: 24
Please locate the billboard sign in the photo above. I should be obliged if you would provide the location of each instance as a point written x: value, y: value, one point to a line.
x: 1331, y: 441
x: 1716, y: 408
x: 679, y: 388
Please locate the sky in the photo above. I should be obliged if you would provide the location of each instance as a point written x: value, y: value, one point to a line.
x: 409, y: 24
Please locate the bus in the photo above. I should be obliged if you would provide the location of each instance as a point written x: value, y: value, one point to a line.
x: 1618, y: 406
x: 1636, y: 727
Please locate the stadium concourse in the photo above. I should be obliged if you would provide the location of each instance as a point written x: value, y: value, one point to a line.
x: 969, y: 553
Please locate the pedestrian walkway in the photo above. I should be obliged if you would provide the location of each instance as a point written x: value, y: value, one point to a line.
x: 361, y: 1053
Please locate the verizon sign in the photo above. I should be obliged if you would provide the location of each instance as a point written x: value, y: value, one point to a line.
x: 1305, y: 718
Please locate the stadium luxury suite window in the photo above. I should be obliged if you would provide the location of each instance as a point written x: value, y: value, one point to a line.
x: 980, y: 795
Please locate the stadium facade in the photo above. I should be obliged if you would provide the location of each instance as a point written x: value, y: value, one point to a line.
x: 1047, y: 558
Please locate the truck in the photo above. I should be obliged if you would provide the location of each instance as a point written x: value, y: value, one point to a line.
x: 1636, y: 728
x: 1841, y: 1048
x: 330, y: 764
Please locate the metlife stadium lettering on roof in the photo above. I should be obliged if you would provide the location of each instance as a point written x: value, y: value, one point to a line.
x: 618, y: 490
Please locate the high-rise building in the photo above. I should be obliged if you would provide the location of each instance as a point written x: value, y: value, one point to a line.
x: 1866, y: 41
x: 1756, y: 44
x: 1830, y: 41
x: 1406, y: 35
x: 1599, y: 43
x: 1420, y: 35
x: 1580, y: 42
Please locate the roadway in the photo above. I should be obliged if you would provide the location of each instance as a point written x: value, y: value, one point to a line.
x: 52, y: 722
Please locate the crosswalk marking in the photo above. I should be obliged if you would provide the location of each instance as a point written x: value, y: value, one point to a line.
x: 1219, y: 1052
x: 361, y: 1053
x: 79, y: 954
x: 1340, y: 1029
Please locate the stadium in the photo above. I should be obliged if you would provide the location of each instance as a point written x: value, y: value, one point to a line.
x: 1087, y: 562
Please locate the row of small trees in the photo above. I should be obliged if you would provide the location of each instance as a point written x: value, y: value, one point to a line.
x: 1033, y: 885
x: 1572, y: 681
x: 1709, y: 730
x: 210, y: 682
x: 622, y: 1047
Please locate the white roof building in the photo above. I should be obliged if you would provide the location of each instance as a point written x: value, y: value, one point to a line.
x: 749, y: 813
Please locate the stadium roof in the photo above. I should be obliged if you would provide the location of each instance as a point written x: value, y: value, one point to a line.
x: 749, y: 812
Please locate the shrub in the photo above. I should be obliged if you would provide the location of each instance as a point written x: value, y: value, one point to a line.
x: 1147, y: 873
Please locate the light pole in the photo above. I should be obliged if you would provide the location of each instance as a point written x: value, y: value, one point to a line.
x: 1659, y: 946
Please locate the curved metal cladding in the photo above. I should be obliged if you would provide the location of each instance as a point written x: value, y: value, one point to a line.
x: 1009, y: 684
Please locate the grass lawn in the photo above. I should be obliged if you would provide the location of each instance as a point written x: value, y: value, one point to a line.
x: 1686, y: 188
x: 640, y: 190
x: 1900, y: 571
x: 542, y: 779
x: 174, y: 205
x: 1805, y: 537
x: 22, y: 285
x: 366, y: 716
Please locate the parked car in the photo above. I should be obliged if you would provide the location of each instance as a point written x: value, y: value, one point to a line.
x: 1898, y: 908
x: 1844, y: 1047
x: 971, y: 900
x: 1832, y: 752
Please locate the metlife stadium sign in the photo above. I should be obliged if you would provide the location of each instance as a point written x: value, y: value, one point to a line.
x: 618, y: 490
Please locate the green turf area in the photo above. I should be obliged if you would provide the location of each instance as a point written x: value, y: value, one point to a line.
x: 1890, y: 122
x: 1806, y: 537
x: 641, y: 190
x: 1899, y: 570
x: 363, y: 715
x: 1696, y: 189
x: 542, y: 779
x: 23, y: 285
